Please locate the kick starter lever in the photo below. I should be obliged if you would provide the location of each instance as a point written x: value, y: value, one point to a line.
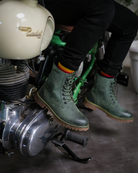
x: 68, y: 135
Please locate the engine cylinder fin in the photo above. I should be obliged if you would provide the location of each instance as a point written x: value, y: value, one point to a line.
x: 13, y: 81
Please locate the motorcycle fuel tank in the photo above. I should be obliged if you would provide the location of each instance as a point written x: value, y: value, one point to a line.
x: 26, y: 29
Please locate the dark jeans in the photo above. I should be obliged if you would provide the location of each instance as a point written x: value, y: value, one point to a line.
x: 91, y: 19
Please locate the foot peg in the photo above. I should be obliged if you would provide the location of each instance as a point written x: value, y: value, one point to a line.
x: 68, y: 135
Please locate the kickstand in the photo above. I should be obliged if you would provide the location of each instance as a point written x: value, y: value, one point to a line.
x: 66, y: 150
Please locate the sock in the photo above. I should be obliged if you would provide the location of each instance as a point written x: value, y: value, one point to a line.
x: 106, y: 75
x: 64, y: 69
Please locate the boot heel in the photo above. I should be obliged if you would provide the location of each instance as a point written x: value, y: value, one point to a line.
x: 88, y: 105
x: 39, y: 102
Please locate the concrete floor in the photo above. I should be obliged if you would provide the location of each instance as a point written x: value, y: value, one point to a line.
x: 112, y: 145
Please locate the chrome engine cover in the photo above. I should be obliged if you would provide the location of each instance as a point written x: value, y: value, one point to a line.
x: 28, y: 129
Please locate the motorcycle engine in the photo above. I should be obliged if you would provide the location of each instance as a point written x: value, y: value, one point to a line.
x: 27, y: 127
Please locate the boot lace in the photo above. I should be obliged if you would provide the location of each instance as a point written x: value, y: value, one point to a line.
x: 113, y: 90
x: 67, y: 89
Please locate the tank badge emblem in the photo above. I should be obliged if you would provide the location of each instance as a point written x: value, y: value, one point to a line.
x: 29, y: 33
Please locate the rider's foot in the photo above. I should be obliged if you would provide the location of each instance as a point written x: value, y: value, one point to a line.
x: 55, y: 95
x: 102, y: 97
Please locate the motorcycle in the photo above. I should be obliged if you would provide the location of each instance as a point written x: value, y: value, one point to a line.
x: 28, y: 48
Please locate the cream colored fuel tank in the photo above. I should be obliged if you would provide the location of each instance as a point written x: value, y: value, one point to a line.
x: 26, y: 29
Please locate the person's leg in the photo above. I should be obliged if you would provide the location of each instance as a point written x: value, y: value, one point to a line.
x: 124, y: 28
x: 91, y: 19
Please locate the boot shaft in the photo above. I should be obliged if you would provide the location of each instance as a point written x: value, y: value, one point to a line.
x: 103, y: 90
x: 57, y: 84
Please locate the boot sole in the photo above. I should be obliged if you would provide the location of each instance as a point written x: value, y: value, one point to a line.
x: 42, y: 105
x: 92, y: 106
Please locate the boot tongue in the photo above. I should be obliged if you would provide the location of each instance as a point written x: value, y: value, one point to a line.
x: 113, y: 90
x: 67, y: 89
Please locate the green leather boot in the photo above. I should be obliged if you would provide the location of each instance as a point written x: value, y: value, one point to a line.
x: 102, y: 97
x: 56, y: 95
